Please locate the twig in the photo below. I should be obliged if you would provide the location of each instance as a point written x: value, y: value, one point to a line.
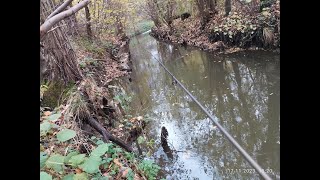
x: 55, y: 28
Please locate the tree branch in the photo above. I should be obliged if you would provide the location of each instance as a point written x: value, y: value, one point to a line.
x: 60, y: 8
x: 48, y: 24
x: 106, y: 135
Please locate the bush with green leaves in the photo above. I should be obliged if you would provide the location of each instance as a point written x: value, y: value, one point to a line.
x: 124, y: 100
x: 88, y: 163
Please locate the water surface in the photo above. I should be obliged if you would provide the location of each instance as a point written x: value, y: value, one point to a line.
x: 241, y: 91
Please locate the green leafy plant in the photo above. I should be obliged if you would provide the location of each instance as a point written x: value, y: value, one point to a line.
x: 130, y: 175
x: 55, y: 162
x: 66, y: 135
x: 124, y: 100
x: 54, y: 117
x: 45, y: 176
x: 149, y: 168
x: 91, y: 164
x: 106, y: 156
x: 140, y: 140
x: 45, y: 126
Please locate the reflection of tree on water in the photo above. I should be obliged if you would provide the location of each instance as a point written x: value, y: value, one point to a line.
x: 273, y: 128
x: 235, y: 97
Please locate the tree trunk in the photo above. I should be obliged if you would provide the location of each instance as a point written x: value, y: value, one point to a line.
x: 48, y: 24
x: 206, y: 10
x: 227, y: 7
x: 212, y: 6
x: 60, y: 8
x: 88, y: 23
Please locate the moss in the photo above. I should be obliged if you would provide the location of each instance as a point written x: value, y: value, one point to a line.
x: 91, y: 46
x: 54, y: 93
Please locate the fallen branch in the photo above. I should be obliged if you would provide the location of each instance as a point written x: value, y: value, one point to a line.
x: 48, y: 24
x: 60, y: 8
x: 106, y: 135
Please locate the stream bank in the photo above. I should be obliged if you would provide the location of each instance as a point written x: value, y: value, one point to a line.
x: 86, y: 132
x: 241, y: 30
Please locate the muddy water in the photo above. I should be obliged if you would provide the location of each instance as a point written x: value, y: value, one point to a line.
x: 242, y: 91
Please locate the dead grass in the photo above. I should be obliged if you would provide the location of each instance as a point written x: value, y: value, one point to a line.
x: 268, y: 36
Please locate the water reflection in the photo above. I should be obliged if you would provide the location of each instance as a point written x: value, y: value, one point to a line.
x: 242, y: 91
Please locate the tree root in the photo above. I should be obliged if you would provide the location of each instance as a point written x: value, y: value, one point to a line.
x: 107, y: 136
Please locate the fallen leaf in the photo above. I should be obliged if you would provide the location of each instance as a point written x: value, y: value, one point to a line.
x: 137, y: 177
x: 78, y: 171
x: 116, y: 161
x: 133, y: 119
x: 125, y: 172
x: 47, y: 113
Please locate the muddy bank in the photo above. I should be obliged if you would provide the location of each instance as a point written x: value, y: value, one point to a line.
x: 240, y: 30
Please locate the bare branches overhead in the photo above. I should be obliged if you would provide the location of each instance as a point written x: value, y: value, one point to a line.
x: 60, y: 8
x: 49, y: 23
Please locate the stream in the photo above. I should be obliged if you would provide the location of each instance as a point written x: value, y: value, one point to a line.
x: 240, y: 90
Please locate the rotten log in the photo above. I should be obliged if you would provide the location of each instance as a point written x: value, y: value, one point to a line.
x: 60, y: 8
x: 107, y: 136
x: 48, y: 24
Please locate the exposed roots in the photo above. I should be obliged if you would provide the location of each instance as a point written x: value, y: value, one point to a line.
x: 82, y: 105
